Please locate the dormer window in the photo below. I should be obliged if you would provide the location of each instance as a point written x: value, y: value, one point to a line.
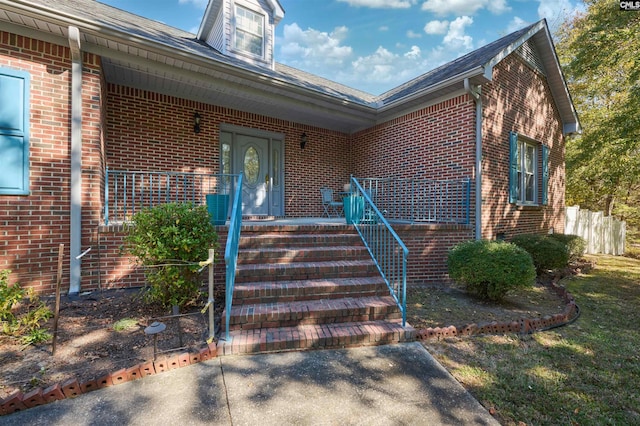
x: 249, y: 34
x: 242, y: 29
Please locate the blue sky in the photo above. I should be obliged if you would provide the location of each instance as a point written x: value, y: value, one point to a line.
x: 375, y: 45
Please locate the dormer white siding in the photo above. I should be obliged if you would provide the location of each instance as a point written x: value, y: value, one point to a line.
x: 242, y: 29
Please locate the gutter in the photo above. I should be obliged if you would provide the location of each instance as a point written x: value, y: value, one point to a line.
x: 76, y: 160
x: 430, y: 89
x: 474, y: 92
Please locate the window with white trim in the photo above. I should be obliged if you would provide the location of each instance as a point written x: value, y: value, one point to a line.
x: 249, y: 31
x: 525, y: 173
x: 14, y: 132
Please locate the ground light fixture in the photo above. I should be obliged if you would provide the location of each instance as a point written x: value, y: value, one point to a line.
x: 153, y: 330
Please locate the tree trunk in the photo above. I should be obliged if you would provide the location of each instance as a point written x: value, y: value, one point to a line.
x: 608, y: 204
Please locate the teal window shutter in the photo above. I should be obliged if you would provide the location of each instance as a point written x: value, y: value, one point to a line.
x: 513, y: 167
x: 14, y: 132
x: 545, y: 175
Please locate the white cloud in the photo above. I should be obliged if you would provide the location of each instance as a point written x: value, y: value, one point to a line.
x: 414, y: 53
x: 384, y: 68
x: 330, y: 56
x: 201, y: 4
x: 464, y: 7
x: 557, y: 11
x: 411, y: 34
x: 383, y: 28
x: 516, y: 24
x: 381, y: 4
x: 436, y: 27
x: 312, y: 49
x: 456, y: 37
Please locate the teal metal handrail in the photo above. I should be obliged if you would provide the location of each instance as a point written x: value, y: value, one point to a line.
x: 385, y: 246
x: 127, y: 192
x: 231, y: 252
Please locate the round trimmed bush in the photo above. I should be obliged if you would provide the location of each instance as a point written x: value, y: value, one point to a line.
x: 576, y: 246
x: 490, y: 269
x: 547, y: 253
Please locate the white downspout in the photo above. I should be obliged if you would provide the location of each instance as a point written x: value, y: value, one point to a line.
x: 475, y: 94
x: 76, y: 160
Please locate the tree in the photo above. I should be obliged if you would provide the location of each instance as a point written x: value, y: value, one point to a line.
x: 601, y: 61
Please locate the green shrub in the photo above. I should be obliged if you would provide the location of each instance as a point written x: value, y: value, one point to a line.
x: 21, y: 312
x: 547, y: 253
x: 169, y: 240
x: 490, y: 269
x: 576, y: 246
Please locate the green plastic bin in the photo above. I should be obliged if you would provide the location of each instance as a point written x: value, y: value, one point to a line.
x: 218, y: 206
x: 353, y: 209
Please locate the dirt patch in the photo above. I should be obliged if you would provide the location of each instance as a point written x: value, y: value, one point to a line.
x: 98, y: 334
x: 445, y: 306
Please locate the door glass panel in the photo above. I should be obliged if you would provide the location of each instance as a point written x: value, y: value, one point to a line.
x: 251, y: 166
x: 276, y: 168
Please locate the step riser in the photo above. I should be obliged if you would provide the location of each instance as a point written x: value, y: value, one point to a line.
x: 280, y: 272
x: 326, y: 312
x: 247, y: 299
x: 315, y: 337
x: 255, y: 242
x: 290, y: 255
x: 310, y: 321
x: 288, y: 291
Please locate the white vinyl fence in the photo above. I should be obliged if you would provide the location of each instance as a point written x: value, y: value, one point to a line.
x: 603, y: 234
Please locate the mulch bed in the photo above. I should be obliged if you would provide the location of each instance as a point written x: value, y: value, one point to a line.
x: 90, y: 342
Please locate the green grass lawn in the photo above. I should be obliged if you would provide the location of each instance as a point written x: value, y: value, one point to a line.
x: 586, y: 373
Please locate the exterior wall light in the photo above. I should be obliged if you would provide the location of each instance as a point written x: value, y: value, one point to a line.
x: 196, y: 122
x: 303, y: 140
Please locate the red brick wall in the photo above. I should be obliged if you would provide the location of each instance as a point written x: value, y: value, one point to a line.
x: 518, y: 99
x: 436, y: 142
x: 428, y: 247
x: 33, y: 226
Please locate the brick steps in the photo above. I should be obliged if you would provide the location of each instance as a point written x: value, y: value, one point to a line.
x: 316, y: 336
x: 307, y: 288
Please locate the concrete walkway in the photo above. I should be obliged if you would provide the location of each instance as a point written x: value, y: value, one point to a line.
x: 383, y: 385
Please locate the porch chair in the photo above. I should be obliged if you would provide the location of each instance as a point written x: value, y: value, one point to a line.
x: 329, y: 204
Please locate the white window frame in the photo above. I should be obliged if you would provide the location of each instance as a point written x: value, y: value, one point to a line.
x: 238, y: 9
x: 534, y: 174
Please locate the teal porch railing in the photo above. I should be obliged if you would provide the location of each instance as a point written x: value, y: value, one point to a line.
x: 384, y: 245
x: 231, y: 253
x: 421, y: 200
x: 127, y: 192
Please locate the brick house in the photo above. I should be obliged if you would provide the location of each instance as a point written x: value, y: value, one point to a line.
x: 86, y: 88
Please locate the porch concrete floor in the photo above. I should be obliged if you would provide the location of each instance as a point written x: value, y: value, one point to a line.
x: 333, y: 221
